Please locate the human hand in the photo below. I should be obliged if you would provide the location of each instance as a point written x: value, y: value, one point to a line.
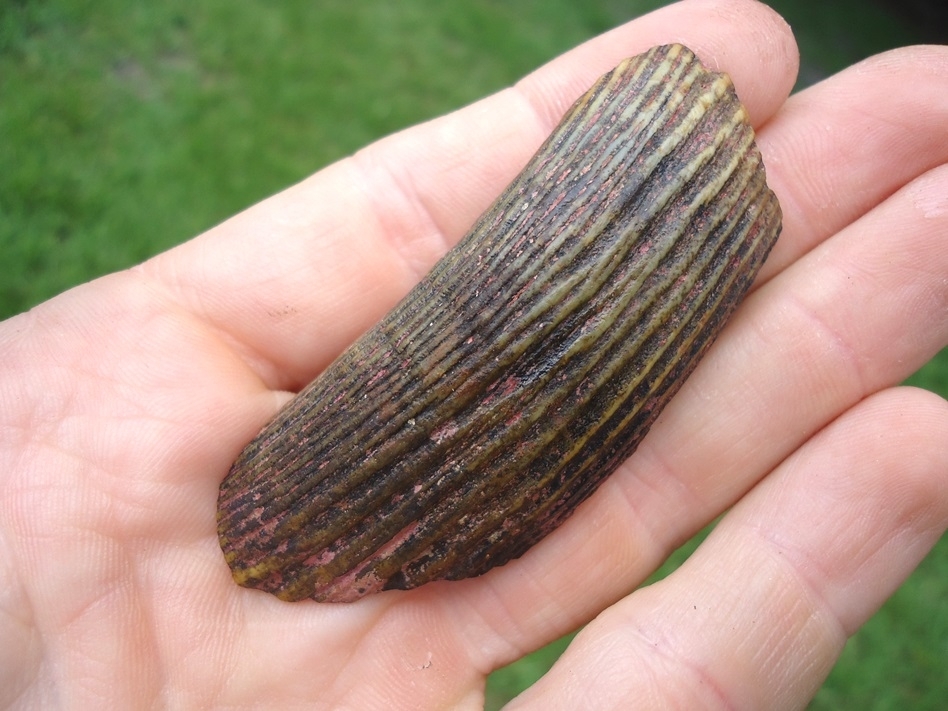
x: 124, y: 402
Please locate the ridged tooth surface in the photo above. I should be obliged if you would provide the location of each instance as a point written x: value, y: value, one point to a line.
x: 475, y: 417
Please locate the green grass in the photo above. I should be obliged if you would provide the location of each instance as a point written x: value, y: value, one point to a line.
x: 126, y: 128
x: 833, y: 34
x: 130, y: 127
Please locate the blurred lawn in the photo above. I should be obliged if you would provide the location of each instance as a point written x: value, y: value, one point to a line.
x: 126, y: 128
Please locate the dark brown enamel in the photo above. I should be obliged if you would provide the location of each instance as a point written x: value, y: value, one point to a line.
x: 485, y: 407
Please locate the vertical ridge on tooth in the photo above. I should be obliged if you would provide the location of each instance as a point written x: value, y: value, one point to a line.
x: 529, y: 363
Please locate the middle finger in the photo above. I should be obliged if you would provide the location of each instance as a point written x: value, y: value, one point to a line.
x: 839, y: 148
x: 857, y: 314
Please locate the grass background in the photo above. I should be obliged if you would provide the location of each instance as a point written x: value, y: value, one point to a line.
x: 127, y: 127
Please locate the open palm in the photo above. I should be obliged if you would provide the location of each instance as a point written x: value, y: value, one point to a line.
x: 124, y: 402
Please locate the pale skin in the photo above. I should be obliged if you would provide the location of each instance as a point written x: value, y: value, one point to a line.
x: 123, y: 402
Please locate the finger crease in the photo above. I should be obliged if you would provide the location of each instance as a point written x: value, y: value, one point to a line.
x: 406, y: 220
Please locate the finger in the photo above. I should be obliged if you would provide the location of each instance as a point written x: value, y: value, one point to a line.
x: 856, y: 315
x: 758, y: 615
x: 838, y: 149
x: 293, y: 280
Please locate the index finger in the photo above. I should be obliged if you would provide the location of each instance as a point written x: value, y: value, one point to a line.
x: 293, y: 280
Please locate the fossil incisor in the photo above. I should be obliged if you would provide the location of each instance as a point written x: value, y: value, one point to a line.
x: 488, y: 404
